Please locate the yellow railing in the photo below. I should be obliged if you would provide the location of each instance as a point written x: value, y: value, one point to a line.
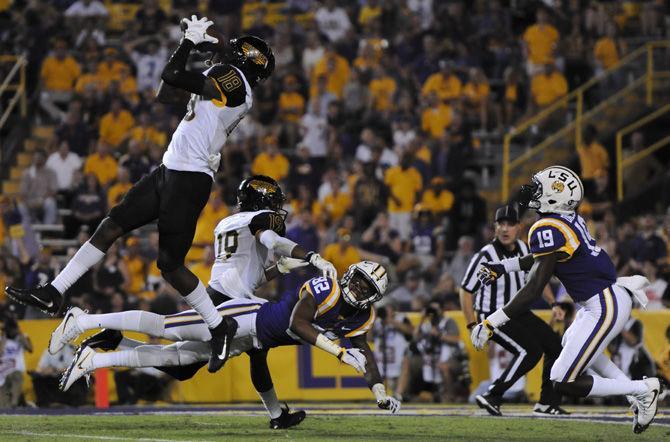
x: 11, y: 83
x: 641, y: 56
x: 623, y: 163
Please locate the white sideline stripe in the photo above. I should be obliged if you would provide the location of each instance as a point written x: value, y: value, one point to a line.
x: 83, y: 436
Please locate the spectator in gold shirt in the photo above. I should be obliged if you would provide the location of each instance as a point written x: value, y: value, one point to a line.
x: 101, y: 164
x: 592, y: 155
x: 118, y: 190
x: 541, y: 41
x: 59, y: 75
x: 335, y: 68
x: 382, y: 89
x: 270, y: 162
x: 137, y: 268
x: 438, y: 198
x: 437, y: 117
x: 444, y: 83
x: 116, y: 124
x: 548, y: 86
x: 342, y: 253
x: 404, y: 183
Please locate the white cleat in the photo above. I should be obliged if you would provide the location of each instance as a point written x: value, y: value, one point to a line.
x: 67, y: 331
x: 647, y: 405
x: 82, y: 365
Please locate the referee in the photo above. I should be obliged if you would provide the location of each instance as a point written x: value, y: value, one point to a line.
x: 527, y: 337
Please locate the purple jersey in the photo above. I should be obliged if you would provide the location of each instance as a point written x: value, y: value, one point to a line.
x: 588, y: 269
x: 273, y: 318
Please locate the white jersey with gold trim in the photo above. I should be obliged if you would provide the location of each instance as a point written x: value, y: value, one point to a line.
x: 239, y: 266
x: 203, y: 131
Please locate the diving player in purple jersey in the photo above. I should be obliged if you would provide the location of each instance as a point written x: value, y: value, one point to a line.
x: 322, y: 312
x: 561, y: 245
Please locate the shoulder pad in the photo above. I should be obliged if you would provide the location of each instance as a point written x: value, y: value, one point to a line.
x: 550, y: 235
x: 230, y: 83
x: 268, y: 221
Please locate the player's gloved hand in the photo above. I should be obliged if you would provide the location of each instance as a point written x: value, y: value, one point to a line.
x: 213, y: 162
x: 195, y: 30
x: 286, y: 264
x: 480, y: 334
x: 326, y: 267
x: 489, y: 272
x: 353, y: 357
x: 384, y: 401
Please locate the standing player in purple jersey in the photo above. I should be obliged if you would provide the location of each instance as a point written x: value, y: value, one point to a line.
x: 323, y: 311
x: 561, y: 245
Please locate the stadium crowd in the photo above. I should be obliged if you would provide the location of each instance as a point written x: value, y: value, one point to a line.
x: 371, y: 122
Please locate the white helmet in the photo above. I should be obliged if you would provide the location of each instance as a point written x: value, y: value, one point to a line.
x: 356, y: 292
x: 555, y: 189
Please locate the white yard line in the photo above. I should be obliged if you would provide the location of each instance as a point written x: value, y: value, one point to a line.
x: 90, y: 436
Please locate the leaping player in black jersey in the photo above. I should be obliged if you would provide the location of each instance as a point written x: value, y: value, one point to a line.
x: 177, y: 191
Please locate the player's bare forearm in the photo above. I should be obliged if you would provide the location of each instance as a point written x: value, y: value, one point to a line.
x: 371, y: 375
x: 299, y: 252
x: 539, y: 276
x: 272, y: 273
x: 466, y: 306
x: 301, y: 319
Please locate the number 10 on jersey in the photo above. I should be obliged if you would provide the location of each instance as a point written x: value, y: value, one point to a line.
x: 226, y: 243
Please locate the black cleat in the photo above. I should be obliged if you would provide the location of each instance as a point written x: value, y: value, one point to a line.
x: 106, y: 340
x: 489, y: 404
x: 287, y: 419
x: 44, y: 298
x: 222, y: 336
x: 549, y: 410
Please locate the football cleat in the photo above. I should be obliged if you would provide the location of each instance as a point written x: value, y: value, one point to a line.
x: 82, y: 365
x: 222, y: 336
x: 647, y: 405
x: 287, y: 419
x: 44, y: 298
x: 106, y: 340
x: 67, y: 331
x: 549, y: 410
x: 489, y: 404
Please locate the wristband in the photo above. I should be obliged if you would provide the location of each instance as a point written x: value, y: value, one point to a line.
x: 379, y: 391
x: 308, y: 256
x: 470, y: 325
x: 497, y: 318
x: 326, y: 344
x: 511, y: 264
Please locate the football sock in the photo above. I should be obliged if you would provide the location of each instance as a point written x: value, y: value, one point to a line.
x: 604, y: 367
x: 133, y: 320
x: 199, y: 301
x: 271, y: 402
x: 146, y: 356
x: 613, y: 387
x: 85, y: 258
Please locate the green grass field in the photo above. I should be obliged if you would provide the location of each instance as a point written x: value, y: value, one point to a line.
x: 213, y: 427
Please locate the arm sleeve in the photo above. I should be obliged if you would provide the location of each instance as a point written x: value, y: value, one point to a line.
x: 229, y: 83
x: 175, y: 73
x: 279, y: 244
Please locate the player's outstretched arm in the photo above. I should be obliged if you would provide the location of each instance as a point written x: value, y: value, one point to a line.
x: 539, y: 276
x: 372, y: 376
x: 301, y: 325
x: 490, y: 271
x: 175, y: 73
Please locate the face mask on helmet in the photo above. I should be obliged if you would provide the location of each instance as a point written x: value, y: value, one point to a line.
x: 530, y: 194
x: 358, y: 290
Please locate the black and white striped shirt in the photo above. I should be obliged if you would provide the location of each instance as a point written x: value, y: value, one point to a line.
x: 490, y: 298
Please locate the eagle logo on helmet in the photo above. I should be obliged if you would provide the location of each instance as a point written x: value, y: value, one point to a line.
x: 557, y: 186
x: 262, y: 186
x: 254, y: 54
